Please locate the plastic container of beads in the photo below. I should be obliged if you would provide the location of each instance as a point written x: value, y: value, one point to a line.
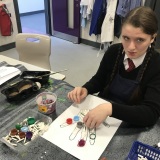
x: 23, y: 129
x: 46, y: 102
x: 140, y: 149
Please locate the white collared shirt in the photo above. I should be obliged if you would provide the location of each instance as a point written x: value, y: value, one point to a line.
x: 137, y: 62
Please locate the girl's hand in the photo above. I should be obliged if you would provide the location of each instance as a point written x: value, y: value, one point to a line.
x: 97, y: 115
x: 78, y: 94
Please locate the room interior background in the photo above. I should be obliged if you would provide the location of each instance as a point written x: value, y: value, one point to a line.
x: 18, y: 7
x: 65, y: 54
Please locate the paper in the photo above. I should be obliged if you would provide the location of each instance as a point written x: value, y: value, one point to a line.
x: 6, y: 73
x: 60, y: 136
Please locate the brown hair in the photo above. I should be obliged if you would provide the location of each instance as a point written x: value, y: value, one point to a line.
x: 144, y: 18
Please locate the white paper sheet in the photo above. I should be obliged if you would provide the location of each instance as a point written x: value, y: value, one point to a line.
x: 60, y: 136
x: 6, y: 73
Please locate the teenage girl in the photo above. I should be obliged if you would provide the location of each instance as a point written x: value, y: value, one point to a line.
x: 128, y: 76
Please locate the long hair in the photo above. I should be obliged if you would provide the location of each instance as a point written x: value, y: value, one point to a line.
x: 114, y: 71
x: 137, y: 94
x: 144, y: 18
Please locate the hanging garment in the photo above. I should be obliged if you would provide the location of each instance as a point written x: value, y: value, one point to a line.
x: 83, y: 12
x: 84, y: 2
x: 135, y: 4
x: 86, y: 11
x: 5, y: 21
x: 90, y: 6
x: 124, y: 6
x: 101, y: 17
x: 107, y: 30
x: 117, y: 25
x: 97, y: 10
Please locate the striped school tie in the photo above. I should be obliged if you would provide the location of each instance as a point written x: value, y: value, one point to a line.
x: 130, y: 64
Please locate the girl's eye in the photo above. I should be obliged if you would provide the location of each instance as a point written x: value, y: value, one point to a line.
x: 140, y: 40
x: 125, y: 38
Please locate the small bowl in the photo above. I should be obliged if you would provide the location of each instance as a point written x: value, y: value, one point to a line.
x: 31, y: 75
x: 46, y: 102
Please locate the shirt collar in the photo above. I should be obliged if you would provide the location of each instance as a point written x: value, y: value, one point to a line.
x: 137, y: 62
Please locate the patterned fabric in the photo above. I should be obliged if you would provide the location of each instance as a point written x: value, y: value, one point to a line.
x: 130, y: 64
x: 124, y: 6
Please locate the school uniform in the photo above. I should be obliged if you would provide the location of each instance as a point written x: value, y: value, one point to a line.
x: 147, y: 110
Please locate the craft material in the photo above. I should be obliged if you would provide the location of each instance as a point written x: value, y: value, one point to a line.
x: 92, y: 136
x: 22, y: 134
x: 31, y: 120
x: 88, y: 151
x: 76, y: 118
x: 25, y: 133
x: 34, y: 123
x: 83, y: 139
x: 29, y: 135
x: 46, y: 102
x: 14, y: 132
x: 70, y: 121
x: 31, y: 77
x: 104, y: 158
x: 74, y: 133
x: 20, y: 90
x: 18, y: 126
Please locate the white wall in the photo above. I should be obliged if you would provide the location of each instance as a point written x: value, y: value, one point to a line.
x: 30, y: 5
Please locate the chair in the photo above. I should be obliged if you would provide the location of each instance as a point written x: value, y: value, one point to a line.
x: 34, y: 49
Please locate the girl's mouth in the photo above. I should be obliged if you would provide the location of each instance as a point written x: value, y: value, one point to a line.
x: 131, y: 53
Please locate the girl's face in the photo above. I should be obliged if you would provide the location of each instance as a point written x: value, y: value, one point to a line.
x: 135, y: 41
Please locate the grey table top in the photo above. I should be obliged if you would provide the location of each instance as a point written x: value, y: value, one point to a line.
x: 41, y: 149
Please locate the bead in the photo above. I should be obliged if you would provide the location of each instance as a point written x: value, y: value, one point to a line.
x: 81, y: 143
x: 29, y: 135
x: 80, y: 124
x: 69, y: 120
x: 92, y: 136
x: 104, y: 158
x: 14, y: 132
x: 18, y: 126
x: 22, y: 135
x: 31, y: 120
x: 24, y: 129
x: 76, y: 118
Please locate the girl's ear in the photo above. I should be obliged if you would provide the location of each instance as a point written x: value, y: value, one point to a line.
x: 153, y: 37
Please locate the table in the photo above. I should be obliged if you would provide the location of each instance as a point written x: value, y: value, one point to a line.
x: 117, y: 149
x: 29, y: 66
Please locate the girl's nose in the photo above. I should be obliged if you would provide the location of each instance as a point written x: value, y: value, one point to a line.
x: 132, y: 45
